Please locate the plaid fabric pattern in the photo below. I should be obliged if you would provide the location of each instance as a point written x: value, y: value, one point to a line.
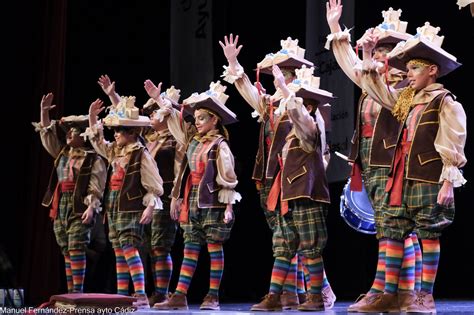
x: 124, y: 227
x: 270, y: 216
x: 419, y: 212
x: 70, y: 232
x: 163, y: 228
x: 205, y: 225
x: 302, y: 230
x: 364, y: 151
x: 376, y: 190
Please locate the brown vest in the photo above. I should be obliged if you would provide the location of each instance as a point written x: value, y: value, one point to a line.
x: 208, y: 190
x: 165, y: 161
x: 132, y: 192
x: 384, y: 140
x: 424, y: 162
x: 269, y: 164
x: 304, y: 175
x: 81, y: 185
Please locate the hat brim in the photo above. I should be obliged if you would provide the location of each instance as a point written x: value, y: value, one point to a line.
x: 421, y: 49
x: 142, y: 121
x: 387, y: 37
x: 291, y: 62
x: 68, y: 122
x: 147, y: 111
x: 213, y: 104
x: 322, y: 96
x: 392, y: 37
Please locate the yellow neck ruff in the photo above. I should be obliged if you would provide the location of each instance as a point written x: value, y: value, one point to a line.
x: 403, y: 105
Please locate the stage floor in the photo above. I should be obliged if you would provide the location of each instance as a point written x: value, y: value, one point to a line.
x: 443, y: 307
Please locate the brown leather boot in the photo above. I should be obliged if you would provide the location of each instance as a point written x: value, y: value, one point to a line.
x: 210, y: 302
x: 271, y: 302
x: 314, y: 302
x: 381, y: 303
x: 384, y: 303
x: 405, y: 299
x: 175, y: 301
x: 423, y: 303
x: 141, y: 302
x: 289, y: 301
x: 302, y: 297
x: 157, y: 297
x: 328, y: 297
x: 362, y: 300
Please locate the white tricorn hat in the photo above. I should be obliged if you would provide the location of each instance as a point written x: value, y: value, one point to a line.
x: 126, y: 114
x: 426, y: 45
x: 172, y: 94
x: 289, y: 56
x: 306, y: 85
x: 212, y: 99
x: 391, y: 30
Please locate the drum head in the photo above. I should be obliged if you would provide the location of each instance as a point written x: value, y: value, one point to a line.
x: 356, y: 209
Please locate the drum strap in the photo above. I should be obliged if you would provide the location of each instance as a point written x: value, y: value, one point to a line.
x: 356, y: 177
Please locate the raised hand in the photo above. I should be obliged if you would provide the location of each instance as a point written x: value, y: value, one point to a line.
x: 94, y: 110
x: 279, y: 78
x: 46, y: 101
x: 107, y: 86
x: 153, y: 91
x: 231, y: 51
x: 333, y: 14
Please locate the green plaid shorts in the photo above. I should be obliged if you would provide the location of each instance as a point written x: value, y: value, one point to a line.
x: 419, y: 212
x: 302, y: 230
x: 70, y: 232
x: 205, y: 225
x: 163, y: 228
x: 124, y: 227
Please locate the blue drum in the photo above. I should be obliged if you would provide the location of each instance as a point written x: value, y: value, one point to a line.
x: 356, y: 209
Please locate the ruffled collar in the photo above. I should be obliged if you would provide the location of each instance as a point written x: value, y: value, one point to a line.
x: 123, y: 151
x: 78, y: 152
x: 210, y: 136
x: 156, y: 135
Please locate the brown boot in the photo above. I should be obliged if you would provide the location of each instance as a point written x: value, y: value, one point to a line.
x: 141, y: 302
x: 175, y: 301
x: 271, y: 302
x: 423, y: 303
x: 314, y: 302
x: 289, y: 301
x: 405, y: 299
x: 328, y: 297
x: 363, y: 299
x: 301, y: 297
x: 157, y: 297
x: 381, y: 303
x: 211, y: 302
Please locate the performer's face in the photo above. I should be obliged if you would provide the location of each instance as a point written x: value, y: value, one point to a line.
x: 204, y: 121
x: 73, y: 138
x: 380, y: 54
x: 122, y: 137
x: 420, y: 76
x: 289, y: 74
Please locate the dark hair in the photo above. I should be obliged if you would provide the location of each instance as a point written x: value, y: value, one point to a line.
x: 128, y: 130
x: 314, y: 103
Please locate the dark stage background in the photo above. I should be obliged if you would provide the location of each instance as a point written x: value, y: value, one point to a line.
x: 64, y: 46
